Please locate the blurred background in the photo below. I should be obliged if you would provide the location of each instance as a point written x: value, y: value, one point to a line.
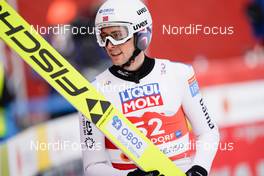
x: 229, y: 65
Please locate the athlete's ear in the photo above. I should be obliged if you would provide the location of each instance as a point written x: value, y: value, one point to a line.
x: 142, y: 38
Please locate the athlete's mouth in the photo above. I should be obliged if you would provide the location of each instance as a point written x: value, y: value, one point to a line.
x: 116, y: 54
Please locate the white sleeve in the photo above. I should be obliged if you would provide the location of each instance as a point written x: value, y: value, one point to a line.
x: 95, y: 159
x: 204, y: 128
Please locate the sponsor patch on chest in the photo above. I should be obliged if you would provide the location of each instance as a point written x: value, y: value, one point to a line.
x: 140, y: 97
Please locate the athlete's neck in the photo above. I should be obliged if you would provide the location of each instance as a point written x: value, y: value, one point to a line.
x: 136, y: 63
x: 134, y: 76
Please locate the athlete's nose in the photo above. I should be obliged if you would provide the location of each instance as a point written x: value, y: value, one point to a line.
x: 109, y: 44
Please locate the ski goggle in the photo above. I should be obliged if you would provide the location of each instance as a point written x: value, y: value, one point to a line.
x: 115, y: 33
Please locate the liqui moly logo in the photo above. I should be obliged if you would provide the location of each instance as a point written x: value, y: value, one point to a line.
x: 140, y: 97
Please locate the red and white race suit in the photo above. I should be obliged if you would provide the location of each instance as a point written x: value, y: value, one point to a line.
x: 163, y: 100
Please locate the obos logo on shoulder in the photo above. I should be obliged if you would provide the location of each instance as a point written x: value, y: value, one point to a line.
x: 140, y: 97
x: 126, y: 136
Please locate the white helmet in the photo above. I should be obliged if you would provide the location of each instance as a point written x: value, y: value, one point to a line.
x: 133, y: 15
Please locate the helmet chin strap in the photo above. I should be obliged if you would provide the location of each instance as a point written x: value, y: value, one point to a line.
x: 134, y: 55
x: 132, y: 58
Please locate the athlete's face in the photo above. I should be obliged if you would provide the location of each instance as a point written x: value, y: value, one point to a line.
x: 119, y: 54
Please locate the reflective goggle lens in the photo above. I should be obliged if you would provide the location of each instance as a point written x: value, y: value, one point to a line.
x: 116, y: 34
